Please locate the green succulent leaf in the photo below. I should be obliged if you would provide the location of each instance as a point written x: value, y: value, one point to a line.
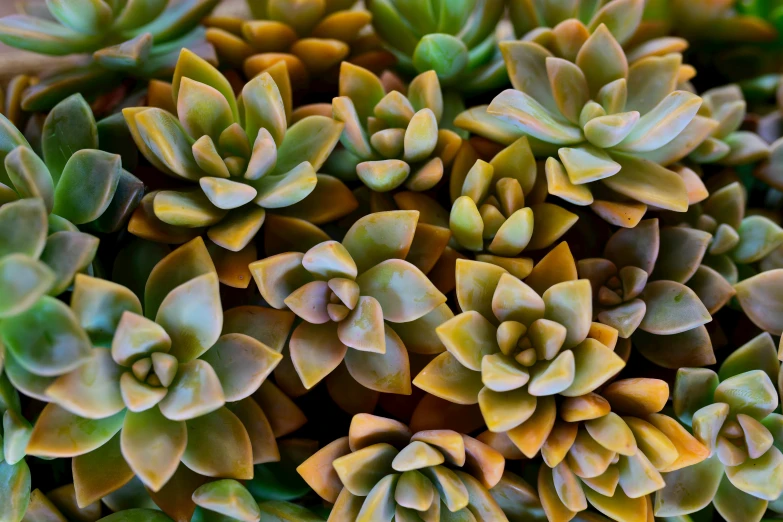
x: 310, y: 139
x: 528, y: 116
x: 192, y: 66
x: 126, y: 56
x: 163, y: 140
x: 191, y: 314
x: 14, y: 490
x: 649, y: 183
x: 46, y: 339
x: 60, y: 433
x: 286, y: 188
x: 362, y: 87
x: 387, y: 372
x: 689, y: 489
x: 264, y: 108
x: 760, y: 298
x: 241, y: 363
x: 87, y: 185
x: 45, y: 36
x: 23, y: 228
x: 68, y: 128
x: 758, y: 236
x: 153, y: 445
x: 229, y: 498
x: 68, y: 253
x: 381, y: 236
x: 202, y: 109
x: 92, y: 390
x: 236, y: 461
x: 23, y: 280
x: 29, y: 175
x: 445, y: 54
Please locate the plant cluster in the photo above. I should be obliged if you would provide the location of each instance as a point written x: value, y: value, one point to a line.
x: 392, y: 261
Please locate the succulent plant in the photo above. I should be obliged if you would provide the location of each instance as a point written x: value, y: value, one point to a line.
x: 228, y: 499
x: 150, y: 394
x: 703, y: 21
x: 732, y: 414
x: 425, y: 272
x: 14, y: 472
x: 610, y: 450
x: 727, y: 145
x: 79, y: 184
x: 140, y: 39
x: 652, y: 288
x: 360, y: 303
x: 738, y: 239
x: 382, y: 470
x: 312, y: 37
x: 241, y: 153
x: 60, y: 504
x: 490, y: 215
x: 595, y: 118
x: 11, y: 96
x: 729, y: 41
x: 563, y: 28
x: 760, y: 299
x: 517, y: 345
x: 456, y: 40
x: 393, y: 139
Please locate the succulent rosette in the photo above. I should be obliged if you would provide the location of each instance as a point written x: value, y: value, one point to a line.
x: 727, y: 144
x: 732, y: 413
x: 312, y: 37
x: 596, y: 118
x: 518, y: 345
x: 738, y: 239
x: 491, y: 217
x: 562, y: 28
x: 652, y: 287
x: 360, y: 303
x: 702, y: 20
x: 240, y: 153
x: 80, y: 182
x: 140, y: 39
x: 609, y: 450
x: 383, y: 471
x: 393, y: 139
x: 457, y: 41
x: 529, y: 15
x: 181, y: 384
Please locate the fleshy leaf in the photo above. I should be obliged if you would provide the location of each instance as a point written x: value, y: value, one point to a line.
x: 672, y: 308
x: 191, y: 314
x: 153, y: 445
x: 229, y: 498
x: 405, y: 294
x: 222, y: 427
x: 59, y: 433
x: 760, y: 298
x: 381, y: 236
x: 387, y: 372
x: 195, y: 392
x: 46, y: 339
x: 241, y: 363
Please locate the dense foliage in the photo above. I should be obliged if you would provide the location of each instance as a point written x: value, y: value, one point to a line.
x: 392, y: 261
